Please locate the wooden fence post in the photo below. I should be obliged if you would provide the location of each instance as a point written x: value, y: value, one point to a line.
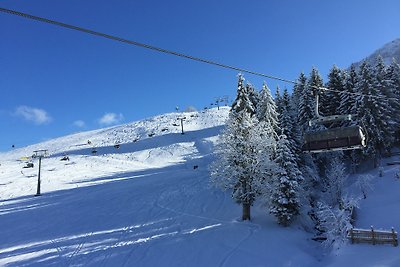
x: 395, y: 242
x: 373, y: 235
x: 352, y: 235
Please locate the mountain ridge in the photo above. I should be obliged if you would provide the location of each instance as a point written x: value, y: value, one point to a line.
x: 388, y: 52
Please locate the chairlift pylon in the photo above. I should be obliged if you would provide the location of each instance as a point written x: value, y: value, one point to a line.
x: 334, y: 139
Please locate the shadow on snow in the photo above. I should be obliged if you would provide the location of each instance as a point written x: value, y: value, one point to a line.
x: 148, y: 143
x: 112, y: 221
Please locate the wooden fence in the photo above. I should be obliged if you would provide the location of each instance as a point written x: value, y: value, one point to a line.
x: 373, y: 236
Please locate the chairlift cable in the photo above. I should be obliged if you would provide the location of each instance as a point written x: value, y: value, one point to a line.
x: 119, y: 39
x: 354, y: 94
x: 162, y: 50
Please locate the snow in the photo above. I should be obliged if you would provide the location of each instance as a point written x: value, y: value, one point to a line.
x: 145, y: 204
x: 387, y: 52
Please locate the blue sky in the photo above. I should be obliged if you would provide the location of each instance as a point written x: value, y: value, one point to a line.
x: 57, y: 81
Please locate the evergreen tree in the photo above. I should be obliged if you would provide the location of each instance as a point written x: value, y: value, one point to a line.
x: 285, y: 118
x: 348, y: 107
x: 303, y: 101
x: 393, y: 73
x: 330, y: 100
x: 335, y: 222
x: 298, y: 90
x: 285, y: 202
x: 288, y: 126
x: 266, y: 112
x: 253, y: 95
x: 303, y: 107
x: 371, y: 113
x: 382, y: 86
x: 334, y: 181
x: 314, y: 82
x: 278, y: 100
x: 347, y: 97
x: 242, y: 101
x: 242, y: 155
x: 393, y: 77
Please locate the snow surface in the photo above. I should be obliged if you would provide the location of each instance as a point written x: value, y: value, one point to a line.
x: 387, y: 52
x: 145, y: 204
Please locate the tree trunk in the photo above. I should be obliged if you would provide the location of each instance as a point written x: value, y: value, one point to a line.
x: 246, y: 212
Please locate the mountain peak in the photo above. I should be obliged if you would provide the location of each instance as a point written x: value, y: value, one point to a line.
x: 387, y: 52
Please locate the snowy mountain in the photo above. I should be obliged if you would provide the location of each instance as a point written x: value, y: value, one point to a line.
x: 149, y: 203
x: 151, y: 143
x: 388, y: 52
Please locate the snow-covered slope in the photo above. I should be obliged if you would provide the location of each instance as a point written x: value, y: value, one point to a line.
x: 381, y: 210
x: 149, y: 203
x: 388, y: 52
x: 152, y: 143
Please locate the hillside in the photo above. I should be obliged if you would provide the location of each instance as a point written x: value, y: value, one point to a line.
x: 387, y: 52
x: 149, y: 203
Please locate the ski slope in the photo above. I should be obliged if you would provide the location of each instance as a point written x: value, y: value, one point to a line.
x: 149, y: 203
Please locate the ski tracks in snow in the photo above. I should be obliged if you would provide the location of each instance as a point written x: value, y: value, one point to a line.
x: 59, y: 251
x: 251, y: 228
x: 78, y: 249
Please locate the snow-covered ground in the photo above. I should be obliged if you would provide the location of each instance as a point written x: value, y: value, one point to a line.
x: 149, y: 203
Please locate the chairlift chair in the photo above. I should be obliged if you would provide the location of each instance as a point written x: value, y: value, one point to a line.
x: 29, y: 165
x: 335, y: 139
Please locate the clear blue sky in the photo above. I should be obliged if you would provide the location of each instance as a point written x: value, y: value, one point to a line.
x: 56, y: 81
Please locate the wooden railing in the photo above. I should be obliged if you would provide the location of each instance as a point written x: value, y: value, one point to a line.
x: 373, y: 236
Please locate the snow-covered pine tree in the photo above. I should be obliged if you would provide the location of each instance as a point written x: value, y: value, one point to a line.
x: 393, y: 74
x: 393, y: 77
x: 371, y: 113
x: 266, y: 112
x: 298, y: 89
x: 287, y: 124
x: 382, y: 85
x: 303, y: 109
x: 333, y: 182
x: 330, y: 100
x: 253, y: 95
x: 278, y: 100
x: 348, y: 106
x: 242, y: 156
x: 285, y: 201
x: 230, y: 170
x: 314, y: 82
x: 242, y: 100
x: 285, y: 116
x: 335, y: 221
x: 347, y: 97
x: 306, y: 102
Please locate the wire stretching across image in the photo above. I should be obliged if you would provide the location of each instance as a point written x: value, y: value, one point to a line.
x: 162, y: 50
